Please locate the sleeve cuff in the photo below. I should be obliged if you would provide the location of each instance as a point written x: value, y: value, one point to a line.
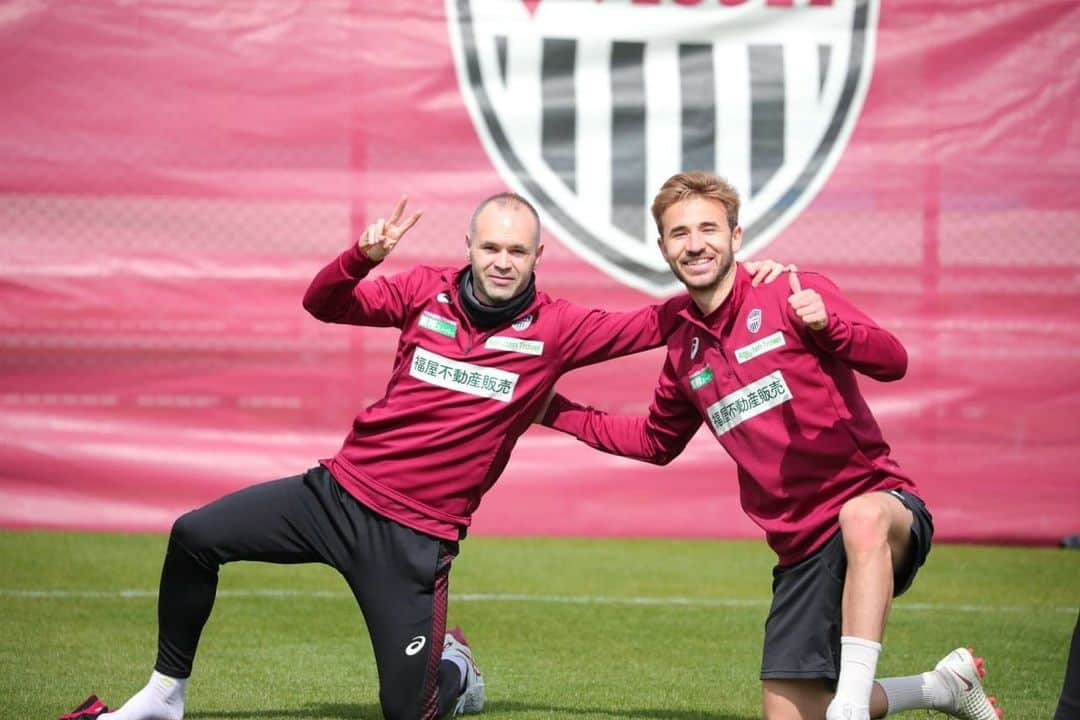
x: 354, y: 263
x: 835, y: 334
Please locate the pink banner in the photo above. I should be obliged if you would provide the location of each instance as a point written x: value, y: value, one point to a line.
x: 173, y: 175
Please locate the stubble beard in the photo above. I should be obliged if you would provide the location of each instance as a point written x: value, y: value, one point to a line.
x: 697, y: 286
x: 496, y: 295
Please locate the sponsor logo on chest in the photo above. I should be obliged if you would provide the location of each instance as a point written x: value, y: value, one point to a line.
x: 701, y: 378
x: 517, y: 345
x: 463, y: 377
x: 747, y: 402
x: 760, y: 347
x: 439, y: 324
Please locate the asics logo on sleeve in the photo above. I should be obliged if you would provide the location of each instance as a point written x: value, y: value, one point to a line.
x: 416, y: 645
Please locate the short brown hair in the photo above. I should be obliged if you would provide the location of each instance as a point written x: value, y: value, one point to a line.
x: 696, y: 183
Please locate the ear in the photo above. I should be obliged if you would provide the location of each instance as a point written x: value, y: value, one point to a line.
x: 539, y: 253
x: 736, y: 239
x: 467, y: 248
x: 660, y: 244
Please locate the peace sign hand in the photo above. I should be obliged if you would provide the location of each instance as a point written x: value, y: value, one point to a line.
x: 807, y: 304
x: 380, y: 237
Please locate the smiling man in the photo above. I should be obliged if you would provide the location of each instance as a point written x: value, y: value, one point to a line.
x: 503, y: 246
x: 771, y: 370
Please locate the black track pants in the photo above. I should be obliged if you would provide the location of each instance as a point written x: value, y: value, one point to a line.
x: 398, y: 576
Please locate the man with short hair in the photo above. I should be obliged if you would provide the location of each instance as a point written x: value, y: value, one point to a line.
x: 771, y: 370
x: 479, y: 351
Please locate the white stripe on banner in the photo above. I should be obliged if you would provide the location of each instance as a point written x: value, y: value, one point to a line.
x: 511, y: 597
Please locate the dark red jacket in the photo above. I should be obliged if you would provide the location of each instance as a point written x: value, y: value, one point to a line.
x: 782, y: 401
x: 458, y: 397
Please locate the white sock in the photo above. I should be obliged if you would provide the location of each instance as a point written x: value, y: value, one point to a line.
x: 161, y: 699
x: 916, y: 692
x: 858, y: 663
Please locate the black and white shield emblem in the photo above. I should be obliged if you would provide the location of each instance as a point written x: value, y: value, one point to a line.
x: 587, y: 106
x: 753, y: 320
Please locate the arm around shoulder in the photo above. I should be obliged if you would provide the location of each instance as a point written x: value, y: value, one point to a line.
x: 592, y: 335
x: 656, y: 438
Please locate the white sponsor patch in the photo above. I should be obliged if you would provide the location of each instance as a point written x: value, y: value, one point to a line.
x: 747, y: 402
x: 701, y: 378
x: 463, y: 377
x: 764, y: 345
x: 437, y: 323
x: 528, y: 347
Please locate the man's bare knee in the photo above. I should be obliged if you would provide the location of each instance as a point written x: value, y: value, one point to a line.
x: 865, y: 521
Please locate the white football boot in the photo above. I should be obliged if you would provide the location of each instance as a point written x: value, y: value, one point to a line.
x: 962, y: 673
x: 472, y: 697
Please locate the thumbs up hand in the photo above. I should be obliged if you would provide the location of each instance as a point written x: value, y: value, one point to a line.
x: 807, y: 305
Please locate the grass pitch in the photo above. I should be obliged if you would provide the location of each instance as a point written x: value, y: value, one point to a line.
x: 562, y: 628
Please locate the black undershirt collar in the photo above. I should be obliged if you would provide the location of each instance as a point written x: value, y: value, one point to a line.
x: 486, y: 317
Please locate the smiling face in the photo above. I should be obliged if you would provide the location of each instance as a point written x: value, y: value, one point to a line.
x: 504, y: 247
x: 700, y: 247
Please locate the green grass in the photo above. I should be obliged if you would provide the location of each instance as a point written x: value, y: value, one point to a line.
x: 562, y: 628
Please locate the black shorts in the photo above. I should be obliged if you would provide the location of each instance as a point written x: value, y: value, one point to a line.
x: 802, y: 632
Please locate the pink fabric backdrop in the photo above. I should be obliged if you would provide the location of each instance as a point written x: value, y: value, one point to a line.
x: 172, y: 175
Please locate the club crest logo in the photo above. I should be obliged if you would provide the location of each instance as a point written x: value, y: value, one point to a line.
x: 753, y: 320
x: 587, y: 107
x: 523, y: 323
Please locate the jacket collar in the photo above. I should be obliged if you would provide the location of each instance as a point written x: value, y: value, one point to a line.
x: 470, y: 308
